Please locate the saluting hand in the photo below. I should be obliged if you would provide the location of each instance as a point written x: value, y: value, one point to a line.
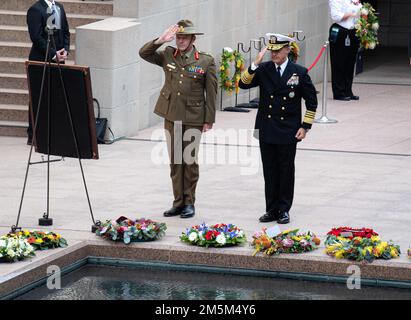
x: 260, y: 56
x: 168, y: 35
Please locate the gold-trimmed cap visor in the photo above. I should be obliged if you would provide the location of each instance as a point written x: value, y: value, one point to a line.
x: 278, y: 41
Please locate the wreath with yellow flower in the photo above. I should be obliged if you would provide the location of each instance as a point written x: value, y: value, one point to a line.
x: 41, y: 240
x: 295, y: 51
x: 359, y: 245
x: 291, y: 241
x: 227, y: 82
x: 367, y: 27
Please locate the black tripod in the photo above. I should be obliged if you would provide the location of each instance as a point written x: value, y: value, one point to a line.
x: 46, y: 220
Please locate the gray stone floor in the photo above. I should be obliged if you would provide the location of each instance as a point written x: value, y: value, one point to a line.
x: 356, y: 172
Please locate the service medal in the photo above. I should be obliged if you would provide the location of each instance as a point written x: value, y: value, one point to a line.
x: 294, y: 80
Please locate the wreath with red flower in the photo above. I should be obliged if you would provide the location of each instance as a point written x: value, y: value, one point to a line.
x: 359, y: 244
x: 367, y: 27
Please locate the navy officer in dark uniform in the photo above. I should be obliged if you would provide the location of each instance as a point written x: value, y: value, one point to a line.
x: 280, y: 125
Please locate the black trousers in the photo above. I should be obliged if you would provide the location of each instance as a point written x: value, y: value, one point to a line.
x: 279, y: 175
x: 343, y: 59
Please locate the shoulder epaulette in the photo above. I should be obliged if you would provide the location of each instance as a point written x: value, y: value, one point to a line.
x: 206, y: 54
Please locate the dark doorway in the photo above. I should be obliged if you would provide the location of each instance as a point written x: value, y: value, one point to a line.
x: 389, y: 62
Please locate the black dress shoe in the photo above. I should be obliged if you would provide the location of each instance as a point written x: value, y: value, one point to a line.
x: 29, y: 141
x: 356, y: 98
x: 268, y: 217
x: 283, y: 218
x: 188, y: 212
x: 173, y: 212
x: 343, y: 98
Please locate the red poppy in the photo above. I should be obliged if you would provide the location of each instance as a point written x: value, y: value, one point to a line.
x: 209, y: 236
x: 31, y: 240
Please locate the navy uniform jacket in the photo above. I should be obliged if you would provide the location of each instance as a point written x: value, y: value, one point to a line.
x: 279, y: 114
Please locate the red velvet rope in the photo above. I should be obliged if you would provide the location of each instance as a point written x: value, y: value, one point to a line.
x: 318, y: 59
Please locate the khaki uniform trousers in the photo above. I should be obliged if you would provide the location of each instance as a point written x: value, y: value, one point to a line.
x: 183, y: 160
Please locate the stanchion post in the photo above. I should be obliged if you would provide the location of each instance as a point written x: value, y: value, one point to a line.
x: 324, y: 118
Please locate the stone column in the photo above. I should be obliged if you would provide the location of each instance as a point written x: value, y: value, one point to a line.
x: 110, y: 49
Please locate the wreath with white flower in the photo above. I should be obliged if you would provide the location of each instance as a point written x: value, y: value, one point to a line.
x: 228, y: 83
x: 219, y: 235
x: 127, y: 230
x: 367, y: 27
x: 13, y: 249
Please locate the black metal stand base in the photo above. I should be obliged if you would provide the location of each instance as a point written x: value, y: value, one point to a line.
x: 45, y: 222
x: 248, y: 105
x: 235, y: 109
x: 95, y: 227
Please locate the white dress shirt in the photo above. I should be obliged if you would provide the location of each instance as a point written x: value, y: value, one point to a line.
x: 338, y: 8
x: 49, y: 3
x: 283, y: 67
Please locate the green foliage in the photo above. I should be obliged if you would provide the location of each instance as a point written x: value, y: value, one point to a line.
x: 367, y: 27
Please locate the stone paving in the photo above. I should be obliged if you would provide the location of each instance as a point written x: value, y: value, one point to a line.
x: 356, y: 172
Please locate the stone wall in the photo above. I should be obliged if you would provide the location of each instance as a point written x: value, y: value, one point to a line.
x: 225, y: 23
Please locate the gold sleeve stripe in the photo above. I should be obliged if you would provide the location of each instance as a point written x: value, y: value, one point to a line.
x: 246, y: 77
x: 309, y: 117
x: 309, y: 120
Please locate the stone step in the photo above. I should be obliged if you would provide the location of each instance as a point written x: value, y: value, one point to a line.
x: 17, y: 65
x: 13, y: 81
x: 14, y: 96
x: 103, y: 8
x: 22, y: 49
x: 9, y: 112
x: 21, y: 34
x: 18, y: 18
x: 13, y: 128
x: 12, y: 65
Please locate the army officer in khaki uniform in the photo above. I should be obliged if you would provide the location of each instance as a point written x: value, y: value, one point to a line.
x: 187, y: 103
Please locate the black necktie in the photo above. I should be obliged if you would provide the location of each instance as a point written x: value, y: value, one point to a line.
x: 279, y: 72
